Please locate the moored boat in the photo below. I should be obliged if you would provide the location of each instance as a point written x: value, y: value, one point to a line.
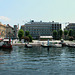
x: 6, y: 44
x: 71, y: 45
x: 28, y: 46
x: 51, y: 44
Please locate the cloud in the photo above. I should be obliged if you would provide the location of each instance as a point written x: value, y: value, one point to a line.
x: 4, y: 18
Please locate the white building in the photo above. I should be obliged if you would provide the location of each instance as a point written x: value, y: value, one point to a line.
x: 37, y: 29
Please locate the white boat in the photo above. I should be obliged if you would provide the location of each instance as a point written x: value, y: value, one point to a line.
x: 57, y: 45
x: 52, y: 44
x: 28, y: 46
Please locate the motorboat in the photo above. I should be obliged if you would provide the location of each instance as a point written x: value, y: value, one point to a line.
x: 6, y: 44
x: 45, y: 45
x: 28, y: 46
x: 57, y: 45
x: 71, y: 45
x: 51, y: 44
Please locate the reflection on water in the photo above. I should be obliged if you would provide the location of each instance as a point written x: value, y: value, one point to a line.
x: 37, y: 60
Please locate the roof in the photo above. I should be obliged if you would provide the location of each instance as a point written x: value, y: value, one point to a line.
x: 2, y: 25
x: 46, y: 37
x: 9, y: 26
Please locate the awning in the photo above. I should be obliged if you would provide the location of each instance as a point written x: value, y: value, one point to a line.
x: 46, y: 37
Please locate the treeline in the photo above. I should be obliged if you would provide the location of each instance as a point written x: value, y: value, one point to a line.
x: 66, y: 34
x: 26, y: 36
x: 57, y: 35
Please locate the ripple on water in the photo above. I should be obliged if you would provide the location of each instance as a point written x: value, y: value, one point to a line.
x: 37, y: 59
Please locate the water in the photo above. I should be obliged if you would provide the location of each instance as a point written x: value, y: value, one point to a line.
x: 37, y: 61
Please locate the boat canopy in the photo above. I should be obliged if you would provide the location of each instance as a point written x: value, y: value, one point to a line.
x: 1, y: 39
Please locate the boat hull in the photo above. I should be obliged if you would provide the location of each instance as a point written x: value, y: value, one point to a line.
x: 6, y: 47
x: 28, y: 46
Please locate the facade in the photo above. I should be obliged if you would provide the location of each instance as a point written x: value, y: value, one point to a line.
x: 2, y: 30
x: 23, y: 28
x: 16, y: 29
x: 37, y: 29
x: 70, y: 26
x: 11, y: 32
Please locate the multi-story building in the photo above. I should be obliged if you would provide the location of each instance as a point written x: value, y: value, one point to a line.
x: 11, y: 32
x: 37, y: 29
x: 2, y: 30
x: 23, y: 28
x: 16, y: 29
x: 70, y: 26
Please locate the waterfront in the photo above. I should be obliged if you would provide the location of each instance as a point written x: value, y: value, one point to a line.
x: 37, y: 60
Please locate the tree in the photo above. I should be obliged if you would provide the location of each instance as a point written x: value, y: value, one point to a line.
x: 26, y: 33
x: 70, y: 32
x: 74, y: 34
x: 26, y: 38
x: 30, y: 38
x: 55, y: 34
x: 60, y: 32
x: 20, y: 34
x: 65, y: 33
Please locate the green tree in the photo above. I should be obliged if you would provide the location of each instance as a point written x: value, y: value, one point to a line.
x: 26, y: 33
x: 20, y: 34
x: 30, y: 38
x: 26, y: 38
x: 70, y: 32
x: 74, y: 34
x: 55, y: 34
x: 60, y: 32
x: 65, y: 33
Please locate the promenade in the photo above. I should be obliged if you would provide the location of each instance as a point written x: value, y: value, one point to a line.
x: 38, y: 43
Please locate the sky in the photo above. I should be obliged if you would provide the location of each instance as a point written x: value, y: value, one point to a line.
x: 21, y: 11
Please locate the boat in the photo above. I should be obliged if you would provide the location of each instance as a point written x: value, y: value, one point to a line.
x: 57, y: 45
x: 51, y: 44
x: 28, y: 46
x: 6, y: 44
x: 1, y: 43
x: 45, y: 45
x: 71, y: 45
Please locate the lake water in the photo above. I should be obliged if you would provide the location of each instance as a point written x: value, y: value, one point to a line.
x: 37, y: 61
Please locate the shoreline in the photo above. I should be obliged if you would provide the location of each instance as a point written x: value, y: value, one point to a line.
x: 38, y: 43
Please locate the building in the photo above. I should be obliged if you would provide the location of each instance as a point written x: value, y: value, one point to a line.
x: 16, y: 29
x: 11, y: 32
x: 23, y: 28
x: 37, y: 29
x: 70, y: 26
x: 2, y: 30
